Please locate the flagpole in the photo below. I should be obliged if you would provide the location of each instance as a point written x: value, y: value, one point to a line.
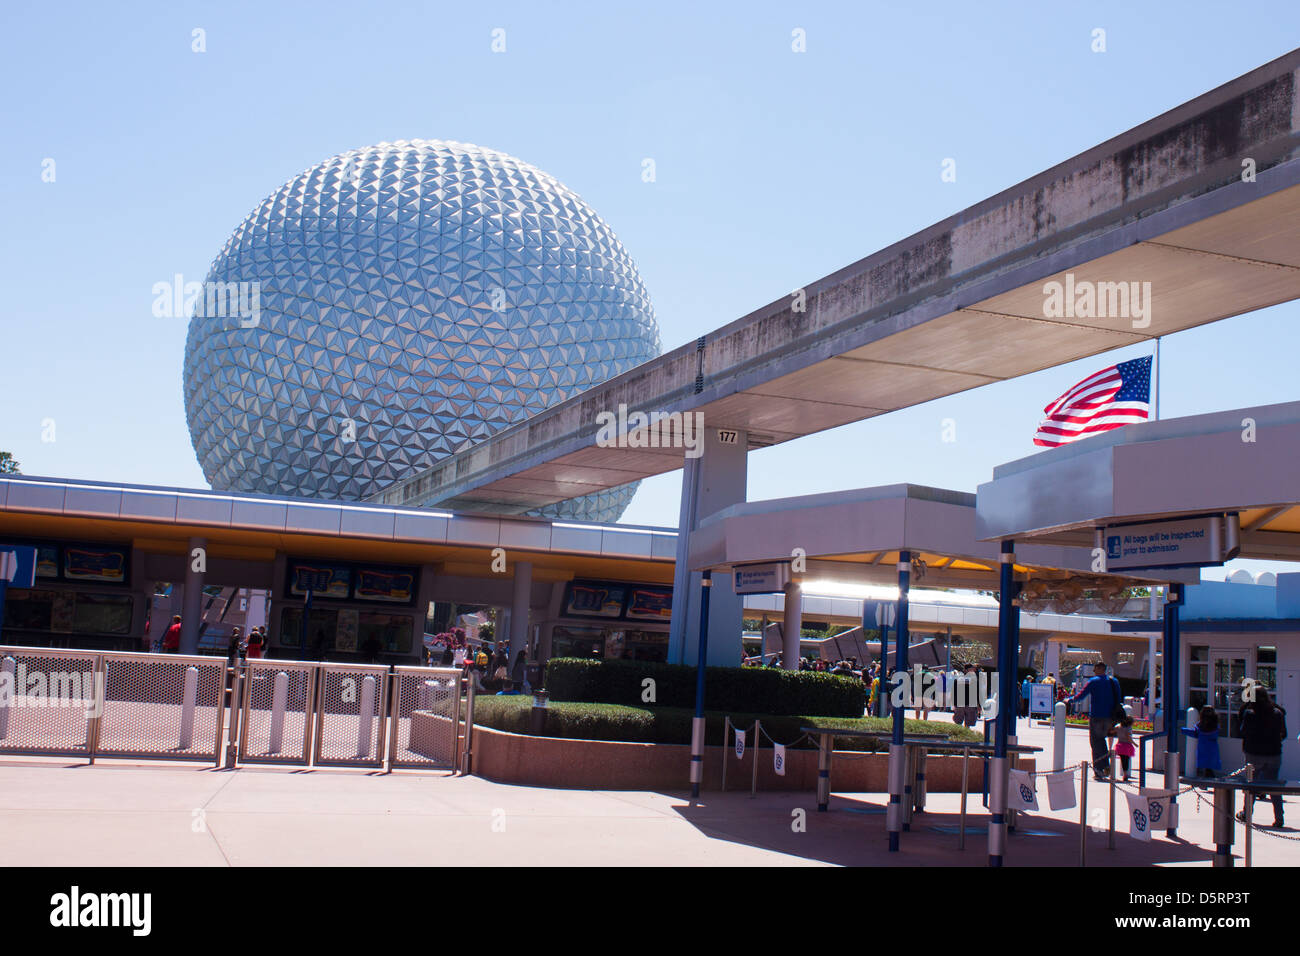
x: 1155, y: 407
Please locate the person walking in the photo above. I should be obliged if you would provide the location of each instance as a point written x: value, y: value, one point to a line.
x: 256, y: 644
x: 171, y: 640
x: 1104, y: 712
x: 1263, y: 728
x: 1124, y: 748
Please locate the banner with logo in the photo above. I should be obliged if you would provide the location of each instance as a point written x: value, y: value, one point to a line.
x: 1021, y: 794
x: 1139, y: 817
x: 1157, y: 807
x: 740, y: 744
x: 778, y: 759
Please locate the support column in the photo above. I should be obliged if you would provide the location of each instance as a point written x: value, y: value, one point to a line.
x: 1151, y: 676
x: 683, y: 580
x: 523, y: 589
x: 792, y: 626
x: 899, y: 787
x: 1171, y: 703
x: 1005, y: 726
x: 1052, y: 659
x: 697, y: 724
x: 711, y: 482
x: 548, y: 628
x: 192, y: 606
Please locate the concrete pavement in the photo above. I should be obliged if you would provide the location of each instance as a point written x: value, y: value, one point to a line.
x: 56, y: 812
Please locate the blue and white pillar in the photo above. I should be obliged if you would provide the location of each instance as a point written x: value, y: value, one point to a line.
x: 1171, y: 659
x: 697, y: 724
x: 1004, y: 728
x: 900, y: 787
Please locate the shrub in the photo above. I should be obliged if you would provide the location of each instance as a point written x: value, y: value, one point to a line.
x: 672, y: 725
x: 751, y: 690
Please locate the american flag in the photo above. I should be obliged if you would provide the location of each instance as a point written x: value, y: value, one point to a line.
x: 1115, y: 396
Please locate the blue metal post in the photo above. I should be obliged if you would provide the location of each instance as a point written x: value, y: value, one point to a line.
x: 884, y: 668
x: 1005, y: 718
x: 866, y: 664
x: 302, y: 631
x: 697, y: 725
x: 899, y: 787
x: 1171, y: 711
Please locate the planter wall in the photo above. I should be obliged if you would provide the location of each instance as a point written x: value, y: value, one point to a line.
x: 610, y: 765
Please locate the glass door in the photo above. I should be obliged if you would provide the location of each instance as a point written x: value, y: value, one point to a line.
x: 1227, y: 672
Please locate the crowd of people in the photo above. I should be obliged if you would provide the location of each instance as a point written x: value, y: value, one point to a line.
x: 238, y: 648
x: 489, y: 666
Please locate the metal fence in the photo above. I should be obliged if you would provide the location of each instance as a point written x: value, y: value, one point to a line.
x: 425, y: 718
x: 64, y: 702
x: 48, y: 701
x: 350, y: 708
x: 161, y: 706
x: 277, y: 709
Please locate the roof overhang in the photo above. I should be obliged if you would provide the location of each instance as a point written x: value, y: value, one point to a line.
x: 253, y: 527
x: 856, y: 536
x: 1245, y: 461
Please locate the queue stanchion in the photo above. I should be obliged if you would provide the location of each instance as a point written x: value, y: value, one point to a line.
x: 986, y: 764
x: 965, y: 787
x: 1248, y: 810
x: 726, y: 748
x: 1083, y: 814
x: 1110, y: 840
x: 758, y: 742
x: 825, y: 742
x: 1224, y: 806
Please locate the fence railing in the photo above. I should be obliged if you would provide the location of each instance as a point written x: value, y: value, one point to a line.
x: 78, y: 703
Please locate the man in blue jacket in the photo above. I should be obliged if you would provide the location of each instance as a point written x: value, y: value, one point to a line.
x: 1104, y: 695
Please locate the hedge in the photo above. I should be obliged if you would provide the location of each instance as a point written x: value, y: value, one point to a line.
x: 750, y: 690
x: 672, y: 725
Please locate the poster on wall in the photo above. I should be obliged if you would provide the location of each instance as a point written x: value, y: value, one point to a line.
x: 323, y: 580
x: 47, y: 561
x: 390, y: 585
x: 650, y: 603
x: 63, y: 612
x: 594, y: 599
x: 94, y: 564
x: 345, y: 638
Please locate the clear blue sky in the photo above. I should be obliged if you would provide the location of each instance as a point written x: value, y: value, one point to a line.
x: 773, y: 169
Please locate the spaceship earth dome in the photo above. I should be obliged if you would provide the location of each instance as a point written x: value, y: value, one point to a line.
x: 397, y: 304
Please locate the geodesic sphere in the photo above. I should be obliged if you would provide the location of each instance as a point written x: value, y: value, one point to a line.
x: 412, y: 298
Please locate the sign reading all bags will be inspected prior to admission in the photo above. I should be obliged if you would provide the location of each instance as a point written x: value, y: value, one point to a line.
x: 761, y: 578
x: 1191, y: 542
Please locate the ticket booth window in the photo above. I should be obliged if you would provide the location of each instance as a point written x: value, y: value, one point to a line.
x: 1266, y: 669
x: 1228, y: 670
x: 578, y: 642
x: 1198, y: 677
